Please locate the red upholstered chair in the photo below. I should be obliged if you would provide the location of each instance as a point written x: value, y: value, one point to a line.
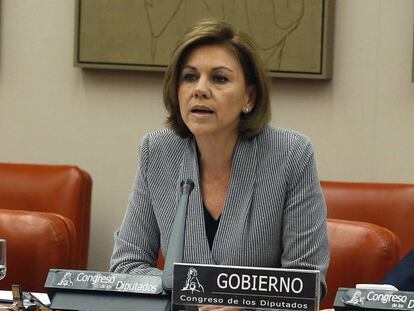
x: 360, y: 253
x: 36, y: 242
x: 384, y: 204
x: 59, y: 189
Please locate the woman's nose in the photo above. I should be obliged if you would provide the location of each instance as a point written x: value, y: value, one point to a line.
x: 202, y: 89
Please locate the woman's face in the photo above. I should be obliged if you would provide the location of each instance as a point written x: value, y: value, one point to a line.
x: 212, y: 92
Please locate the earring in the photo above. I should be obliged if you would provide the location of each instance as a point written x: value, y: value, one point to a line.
x: 246, y: 110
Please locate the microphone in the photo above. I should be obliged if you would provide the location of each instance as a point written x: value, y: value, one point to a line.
x: 175, y: 248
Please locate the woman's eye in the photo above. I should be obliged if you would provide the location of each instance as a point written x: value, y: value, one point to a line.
x: 189, y: 77
x: 220, y: 79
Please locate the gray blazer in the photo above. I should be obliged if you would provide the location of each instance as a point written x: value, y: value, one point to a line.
x: 274, y: 215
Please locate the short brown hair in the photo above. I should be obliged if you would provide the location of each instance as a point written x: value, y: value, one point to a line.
x: 218, y: 32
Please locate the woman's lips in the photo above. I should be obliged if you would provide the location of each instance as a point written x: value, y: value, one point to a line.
x: 201, y: 111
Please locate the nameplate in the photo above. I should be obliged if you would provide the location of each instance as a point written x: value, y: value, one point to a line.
x: 245, y: 287
x: 373, y: 299
x: 103, y: 281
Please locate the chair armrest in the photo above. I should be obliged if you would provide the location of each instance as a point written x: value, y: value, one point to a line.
x: 361, y: 252
x: 36, y: 242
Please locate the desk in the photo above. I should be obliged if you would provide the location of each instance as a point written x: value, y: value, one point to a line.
x: 6, y: 299
x: 5, y: 307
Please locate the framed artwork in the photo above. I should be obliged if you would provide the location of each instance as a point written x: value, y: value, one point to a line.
x: 295, y: 37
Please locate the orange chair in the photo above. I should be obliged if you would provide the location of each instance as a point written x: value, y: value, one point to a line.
x: 36, y: 242
x: 360, y: 253
x: 387, y: 205
x: 60, y: 189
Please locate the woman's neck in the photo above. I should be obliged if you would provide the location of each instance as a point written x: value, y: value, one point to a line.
x: 216, y: 154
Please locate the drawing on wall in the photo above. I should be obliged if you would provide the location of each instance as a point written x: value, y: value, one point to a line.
x: 294, y: 36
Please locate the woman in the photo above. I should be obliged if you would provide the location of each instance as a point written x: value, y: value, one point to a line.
x: 257, y: 199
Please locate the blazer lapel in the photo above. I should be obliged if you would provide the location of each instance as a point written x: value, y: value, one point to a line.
x: 196, y: 248
x: 235, y: 214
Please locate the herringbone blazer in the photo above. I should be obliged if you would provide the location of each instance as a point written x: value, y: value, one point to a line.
x: 274, y: 214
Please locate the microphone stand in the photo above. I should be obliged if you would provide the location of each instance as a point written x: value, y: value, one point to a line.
x: 175, y: 248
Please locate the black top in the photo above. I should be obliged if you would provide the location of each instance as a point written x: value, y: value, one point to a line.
x: 402, y: 275
x: 211, y: 226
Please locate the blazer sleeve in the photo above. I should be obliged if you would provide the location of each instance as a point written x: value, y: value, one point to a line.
x: 305, y: 240
x: 137, y: 241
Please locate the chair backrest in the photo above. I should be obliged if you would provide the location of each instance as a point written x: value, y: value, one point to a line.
x: 360, y: 253
x: 36, y: 242
x: 388, y: 205
x: 61, y: 189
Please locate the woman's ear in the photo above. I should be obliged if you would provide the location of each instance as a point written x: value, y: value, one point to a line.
x: 251, y: 100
